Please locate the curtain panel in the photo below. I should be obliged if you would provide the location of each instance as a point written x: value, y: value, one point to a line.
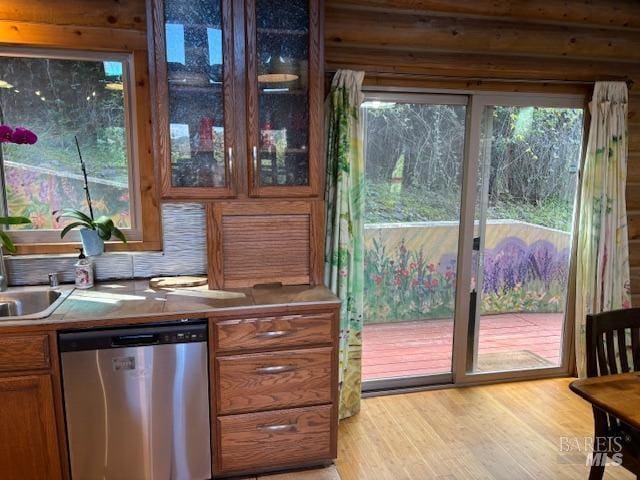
x: 602, y: 258
x: 344, y: 246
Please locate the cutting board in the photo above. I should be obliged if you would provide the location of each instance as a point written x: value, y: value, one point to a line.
x: 177, y: 282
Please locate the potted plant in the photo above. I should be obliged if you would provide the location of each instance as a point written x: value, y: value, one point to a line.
x: 20, y: 136
x: 93, y: 231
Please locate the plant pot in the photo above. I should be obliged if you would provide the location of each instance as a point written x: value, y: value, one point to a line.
x: 91, y: 242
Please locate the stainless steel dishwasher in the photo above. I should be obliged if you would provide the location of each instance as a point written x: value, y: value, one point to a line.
x: 137, y: 402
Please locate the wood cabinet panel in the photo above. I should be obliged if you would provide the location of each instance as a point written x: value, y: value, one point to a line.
x: 273, y: 380
x: 275, y: 439
x: 28, y: 438
x: 24, y: 352
x: 263, y: 242
x: 273, y: 332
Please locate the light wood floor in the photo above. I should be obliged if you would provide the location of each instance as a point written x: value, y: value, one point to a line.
x: 507, y: 431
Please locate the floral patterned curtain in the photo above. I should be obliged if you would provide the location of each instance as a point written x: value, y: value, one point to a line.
x: 344, y: 257
x: 602, y: 277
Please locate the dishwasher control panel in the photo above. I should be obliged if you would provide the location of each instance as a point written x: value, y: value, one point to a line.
x: 134, y: 336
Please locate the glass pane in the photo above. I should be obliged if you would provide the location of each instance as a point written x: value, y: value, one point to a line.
x: 196, y: 102
x: 529, y: 168
x: 414, y: 158
x: 282, y: 51
x: 59, y: 99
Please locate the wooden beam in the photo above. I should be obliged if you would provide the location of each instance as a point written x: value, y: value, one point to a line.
x: 65, y: 36
x: 623, y: 14
x: 127, y: 14
x: 423, y: 33
x: 480, y: 66
x: 417, y: 82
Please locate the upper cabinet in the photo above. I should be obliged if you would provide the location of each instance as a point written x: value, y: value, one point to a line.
x: 284, y: 96
x: 239, y: 97
x: 195, y: 109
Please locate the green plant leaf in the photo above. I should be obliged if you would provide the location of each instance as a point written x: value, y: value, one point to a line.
x: 70, y: 227
x: 6, y: 242
x: 72, y: 213
x: 14, y: 220
x: 119, y: 235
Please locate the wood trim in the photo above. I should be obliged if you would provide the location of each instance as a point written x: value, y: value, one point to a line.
x: 58, y: 404
x: 460, y: 66
x: 58, y: 248
x: 317, y: 242
x: 72, y: 36
x: 124, y: 14
x: 161, y: 107
x: 420, y: 83
x: 596, y: 13
x: 240, y: 98
x: 252, y: 111
x: 149, y: 207
x: 315, y: 105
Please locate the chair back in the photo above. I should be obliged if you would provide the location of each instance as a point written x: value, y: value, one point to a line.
x: 613, y: 342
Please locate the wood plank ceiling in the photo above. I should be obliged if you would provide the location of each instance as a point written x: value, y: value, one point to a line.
x: 527, y: 46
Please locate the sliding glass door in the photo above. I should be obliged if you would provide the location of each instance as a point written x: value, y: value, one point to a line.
x: 414, y: 151
x: 528, y: 162
x: 468, y: 236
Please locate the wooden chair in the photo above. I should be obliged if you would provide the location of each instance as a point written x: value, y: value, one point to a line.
x: 605, y: 332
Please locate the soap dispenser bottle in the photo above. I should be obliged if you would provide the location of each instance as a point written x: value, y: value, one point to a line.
x: 84, y: 271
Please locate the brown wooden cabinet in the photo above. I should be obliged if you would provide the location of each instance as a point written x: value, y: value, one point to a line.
x: 28, y: 438
x: 275, y: 385
x: 29, y: 447
x: 239, y: 89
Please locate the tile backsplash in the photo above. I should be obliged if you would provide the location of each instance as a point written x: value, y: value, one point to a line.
x: 184, y: 253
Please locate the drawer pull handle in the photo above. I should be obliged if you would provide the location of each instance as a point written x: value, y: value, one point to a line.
x: 273, y: 334
x: 275, y: 369
x: 285, y: 427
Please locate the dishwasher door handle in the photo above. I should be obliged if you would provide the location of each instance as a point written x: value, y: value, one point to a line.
x: 135, y: 340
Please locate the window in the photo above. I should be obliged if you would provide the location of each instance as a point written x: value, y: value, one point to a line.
x: 62, y: 97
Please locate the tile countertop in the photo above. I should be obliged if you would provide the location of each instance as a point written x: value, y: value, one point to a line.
x: 134, y: 299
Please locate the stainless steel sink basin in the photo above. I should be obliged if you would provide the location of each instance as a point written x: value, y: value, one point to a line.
x: 30, y: 304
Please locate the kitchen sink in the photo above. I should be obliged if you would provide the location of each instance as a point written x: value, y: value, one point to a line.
x: 30, y: 304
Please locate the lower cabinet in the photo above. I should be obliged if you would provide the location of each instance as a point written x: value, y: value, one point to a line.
x: 272, y: 439
x: 28, y: 439
x: 275, y: 392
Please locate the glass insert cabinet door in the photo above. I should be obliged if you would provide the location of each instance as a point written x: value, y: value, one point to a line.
x: 195, y: 101
x: 284, y: 97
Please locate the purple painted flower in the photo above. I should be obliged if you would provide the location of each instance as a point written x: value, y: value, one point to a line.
x: 5, y: 133
x: 23, y: 136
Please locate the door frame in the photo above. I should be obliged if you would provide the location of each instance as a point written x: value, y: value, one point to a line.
x: 475, y: 101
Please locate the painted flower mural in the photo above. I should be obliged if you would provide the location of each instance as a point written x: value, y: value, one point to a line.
x: 407, y: 285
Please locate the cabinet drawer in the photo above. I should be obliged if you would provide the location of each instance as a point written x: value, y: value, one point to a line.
x: 273, y: 439
x: 272, y: 332
x: 24, y: 352
x: 292, y: 378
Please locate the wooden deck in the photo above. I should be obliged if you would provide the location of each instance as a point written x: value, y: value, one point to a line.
x: 424, y: 347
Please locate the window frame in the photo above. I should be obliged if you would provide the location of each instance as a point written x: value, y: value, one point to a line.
x: 145, y: 231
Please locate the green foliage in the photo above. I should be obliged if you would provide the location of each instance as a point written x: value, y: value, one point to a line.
x: 103, y: 225
x: 5, y: 240
x: 385, y: 204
